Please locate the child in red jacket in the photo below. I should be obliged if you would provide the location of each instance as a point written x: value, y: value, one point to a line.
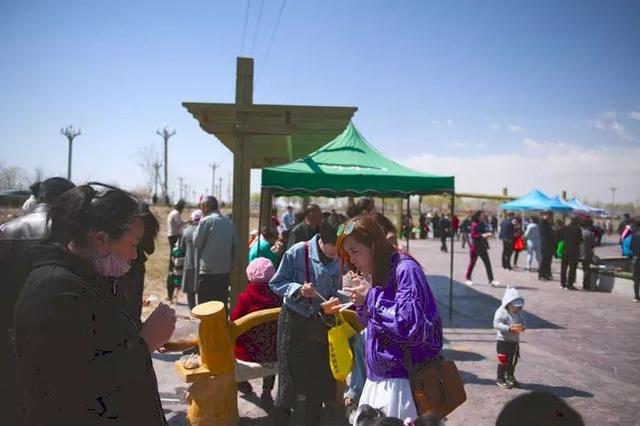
x: 259, y: 343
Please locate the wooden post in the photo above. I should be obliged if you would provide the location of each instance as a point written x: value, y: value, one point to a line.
x: 242, y: 171
x: 213, y: 392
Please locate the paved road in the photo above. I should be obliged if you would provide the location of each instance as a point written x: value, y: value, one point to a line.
x: 582, y: 346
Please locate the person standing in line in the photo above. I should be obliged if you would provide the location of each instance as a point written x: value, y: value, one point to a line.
x: 399, y: 311
x: 216, y: 241
x: 547, y: 246
x: 17, y: 239
x: 288, y: 219
x: 309, y: 272
x: 586, y: 252
x: 479, y: 247
x: 518, y: 242
x: 174, y: 232
x: 571, y: 235
x: 81, y: 358
x: 306, y: 229
x: 191, y: 260
x: 635, y: 260
x: 132, y: 284
x: 506, y: 235
x: 494, y: 224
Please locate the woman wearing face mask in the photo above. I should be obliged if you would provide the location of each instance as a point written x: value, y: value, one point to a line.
x: 82, y: 359
x: 399, y: 312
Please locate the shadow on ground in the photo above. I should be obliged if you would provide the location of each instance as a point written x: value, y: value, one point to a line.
x: 472, y: 308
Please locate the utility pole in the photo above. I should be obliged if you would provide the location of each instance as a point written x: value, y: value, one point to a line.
x: 229, y: 189
x: 166, y: 134
x: 71, y: 134
x: 219, y: 190
x: 213, y: 166
x: 181, y: 182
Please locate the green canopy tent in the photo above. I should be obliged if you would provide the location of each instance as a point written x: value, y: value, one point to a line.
x: 350, y: 166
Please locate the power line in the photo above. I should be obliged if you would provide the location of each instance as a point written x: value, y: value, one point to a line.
x: 244, y: 30
x: 255, y: 35
x: 273, y: 36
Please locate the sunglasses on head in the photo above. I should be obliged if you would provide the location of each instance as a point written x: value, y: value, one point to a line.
x: 344, y: 230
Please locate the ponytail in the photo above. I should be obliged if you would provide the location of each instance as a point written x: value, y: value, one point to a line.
x: 83, y: 209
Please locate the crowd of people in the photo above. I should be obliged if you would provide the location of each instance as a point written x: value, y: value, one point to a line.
x: 76, y: 262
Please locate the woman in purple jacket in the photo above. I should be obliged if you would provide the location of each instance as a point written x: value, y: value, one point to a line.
x: 399, y: 311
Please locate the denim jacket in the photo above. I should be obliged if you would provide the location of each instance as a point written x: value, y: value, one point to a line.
x: 291, y: 274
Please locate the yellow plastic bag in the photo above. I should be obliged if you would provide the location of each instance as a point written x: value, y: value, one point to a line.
x: 340, y: 354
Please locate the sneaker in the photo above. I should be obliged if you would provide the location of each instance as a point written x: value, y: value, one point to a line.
x: 469, y: 282
x: 512, y: 381
x: 494, y: 283
x: 635, y: 299
x: 503, y: 384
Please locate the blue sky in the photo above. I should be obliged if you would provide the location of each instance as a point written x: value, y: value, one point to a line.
x: 516, y: 94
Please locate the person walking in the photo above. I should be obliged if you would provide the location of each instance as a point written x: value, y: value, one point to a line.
x: 571, y: 235
x: 479, y: 247
x: 216, y: 241
x: 506, y: 235
x: 532, y: 238
x: 445, y: 232
x: 465, y: 230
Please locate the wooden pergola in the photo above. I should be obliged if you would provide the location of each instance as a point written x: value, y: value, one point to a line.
x: 261, y: 136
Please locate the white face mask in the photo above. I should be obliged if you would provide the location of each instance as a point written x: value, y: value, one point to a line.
x: 110, y: 266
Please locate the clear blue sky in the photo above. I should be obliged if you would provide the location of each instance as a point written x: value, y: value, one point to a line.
x: 516, y: 94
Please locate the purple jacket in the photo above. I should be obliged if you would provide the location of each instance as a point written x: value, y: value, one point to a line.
x: 396, y: 320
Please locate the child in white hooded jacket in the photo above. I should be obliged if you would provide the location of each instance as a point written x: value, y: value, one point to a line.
x: 510, y: 323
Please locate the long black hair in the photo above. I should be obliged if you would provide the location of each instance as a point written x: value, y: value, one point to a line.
x: 84, y: 209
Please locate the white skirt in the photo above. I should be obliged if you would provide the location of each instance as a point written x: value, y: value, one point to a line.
x: 393, y: 396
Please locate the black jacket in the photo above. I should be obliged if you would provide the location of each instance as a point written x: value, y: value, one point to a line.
x: 572, y: 236
x: 300, y: 232
x: 81, y: 359
x: 17, y: 237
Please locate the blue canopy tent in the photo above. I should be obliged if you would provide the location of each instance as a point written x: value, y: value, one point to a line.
x: 537, y: 200
x: 580, y: 207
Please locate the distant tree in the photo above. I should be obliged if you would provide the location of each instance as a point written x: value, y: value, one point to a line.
x: 13, y: 177
x: 149, y: 165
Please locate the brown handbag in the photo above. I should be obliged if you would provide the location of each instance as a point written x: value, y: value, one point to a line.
x: 437, y: 386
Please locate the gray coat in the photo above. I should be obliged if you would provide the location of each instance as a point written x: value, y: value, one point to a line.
x: 190, y: 271
x: 503, y: 319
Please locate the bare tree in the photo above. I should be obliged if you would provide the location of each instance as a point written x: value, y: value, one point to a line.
x: 13, y: 177
x: 149, y: 161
